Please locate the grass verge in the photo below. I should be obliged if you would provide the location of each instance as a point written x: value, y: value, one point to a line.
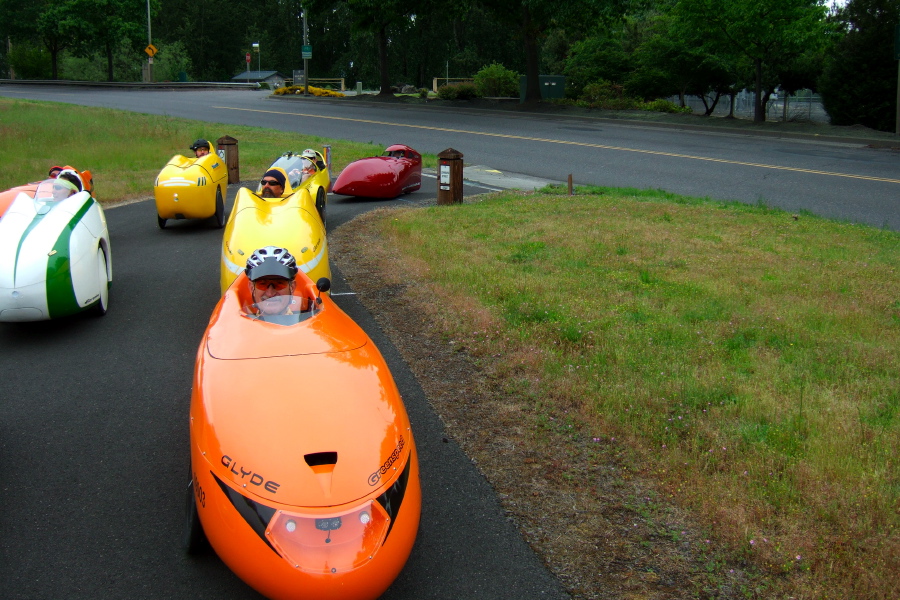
x: 125, y: 151
x: 744, y: 358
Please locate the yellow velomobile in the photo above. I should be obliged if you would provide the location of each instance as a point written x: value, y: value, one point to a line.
x: 192, y: 188
x: 292, y: 220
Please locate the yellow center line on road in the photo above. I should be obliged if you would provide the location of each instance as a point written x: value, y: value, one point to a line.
x: 582, y: 144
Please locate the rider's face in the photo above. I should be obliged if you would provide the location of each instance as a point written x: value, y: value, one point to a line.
x: 61, y: 192
x: 272, y: 294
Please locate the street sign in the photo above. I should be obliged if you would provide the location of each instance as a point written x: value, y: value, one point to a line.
x: 306, y: 52
x: 248, y: 58
x: 150, y: 50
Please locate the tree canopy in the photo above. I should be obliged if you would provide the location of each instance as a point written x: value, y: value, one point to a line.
x: 648, y: 48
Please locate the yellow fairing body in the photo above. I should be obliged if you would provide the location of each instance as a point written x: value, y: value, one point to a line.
x: 291, y: 222
x: 187, y: 188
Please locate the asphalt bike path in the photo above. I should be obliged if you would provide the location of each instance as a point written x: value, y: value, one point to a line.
x: 94, y: 440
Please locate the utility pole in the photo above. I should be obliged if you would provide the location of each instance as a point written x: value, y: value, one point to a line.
x: 305, y: 60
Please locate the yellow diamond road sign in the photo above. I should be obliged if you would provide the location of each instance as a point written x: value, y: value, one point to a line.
x: 150, y: 50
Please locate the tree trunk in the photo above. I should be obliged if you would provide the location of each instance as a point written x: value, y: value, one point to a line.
x: 712, y: 108
x: 759, y: 112
x: 54, y: 56
x: 733, y: 94
x: 383, y: 62
x: 532, y: 64
x: 109, y: 61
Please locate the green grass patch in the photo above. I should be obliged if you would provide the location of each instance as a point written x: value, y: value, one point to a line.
x: 125, y: 151
x: 751, y: 357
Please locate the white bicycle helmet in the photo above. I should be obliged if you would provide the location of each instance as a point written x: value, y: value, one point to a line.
x: 310, y: 154
x: 271, y: 261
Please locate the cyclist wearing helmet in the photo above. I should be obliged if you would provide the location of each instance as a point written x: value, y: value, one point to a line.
x: 200, y: 148
x: 63, y: 188
x: 67, y: 183
x: 271, y: 271
x: 311, y: 155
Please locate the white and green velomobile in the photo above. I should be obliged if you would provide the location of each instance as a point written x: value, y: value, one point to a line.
x: 54, y: 255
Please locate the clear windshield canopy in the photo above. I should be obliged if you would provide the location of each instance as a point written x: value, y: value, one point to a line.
x: 283, y: 310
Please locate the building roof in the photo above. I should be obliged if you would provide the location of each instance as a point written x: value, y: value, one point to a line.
x: 256, y: 75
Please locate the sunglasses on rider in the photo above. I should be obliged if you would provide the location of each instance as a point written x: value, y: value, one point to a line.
x: 264, y: 284
x: 270, y: 182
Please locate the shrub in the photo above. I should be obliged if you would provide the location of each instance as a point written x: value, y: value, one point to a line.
x: 458, y: 91
x: 315, y: 91
x: 665, y: 106
x: 423, y: 92
x: 498, y: 81
x: 610, y: 96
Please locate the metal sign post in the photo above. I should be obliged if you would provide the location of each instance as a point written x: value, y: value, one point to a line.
x: 151, y: 51
x: 149, y: 45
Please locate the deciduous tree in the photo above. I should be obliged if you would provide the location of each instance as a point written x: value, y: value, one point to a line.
x: 770, y: 33
x: 859, y: 83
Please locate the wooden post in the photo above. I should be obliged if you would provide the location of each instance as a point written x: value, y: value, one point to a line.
x: 570, y: 184
x: 450, y: 177
x: 227, y: 149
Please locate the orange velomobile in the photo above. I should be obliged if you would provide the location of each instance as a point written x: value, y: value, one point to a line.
x: 305, y: 478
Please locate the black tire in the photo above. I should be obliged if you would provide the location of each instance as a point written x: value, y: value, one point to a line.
x: 160, y: 222
x: 102, y: 304
x: 321, y: 202
x: 193, y: 540
x: 220, y: 210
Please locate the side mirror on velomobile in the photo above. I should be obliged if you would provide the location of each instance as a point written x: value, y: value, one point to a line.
x: 290, y: 222
x: 192, y: 188
x: 304, y: 472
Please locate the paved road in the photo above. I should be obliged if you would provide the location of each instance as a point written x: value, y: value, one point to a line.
x: 846, y: 181
x: 94, y: 443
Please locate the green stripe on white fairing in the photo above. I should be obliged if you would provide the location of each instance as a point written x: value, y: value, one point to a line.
x: 61, y: 298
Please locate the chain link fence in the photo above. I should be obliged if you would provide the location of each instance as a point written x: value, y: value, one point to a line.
x: 804, y: 106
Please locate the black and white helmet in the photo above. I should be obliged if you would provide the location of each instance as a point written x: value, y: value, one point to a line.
x: 271, y: 261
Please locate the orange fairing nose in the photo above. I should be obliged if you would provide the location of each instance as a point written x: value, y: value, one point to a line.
x: 326, y: 541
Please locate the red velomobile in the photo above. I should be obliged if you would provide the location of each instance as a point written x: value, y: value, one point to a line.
x: 398, y: 171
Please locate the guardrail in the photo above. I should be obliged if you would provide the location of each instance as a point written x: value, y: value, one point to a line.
x: 159, y: 85
x: 447, y: 81
x: 339, y: 80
